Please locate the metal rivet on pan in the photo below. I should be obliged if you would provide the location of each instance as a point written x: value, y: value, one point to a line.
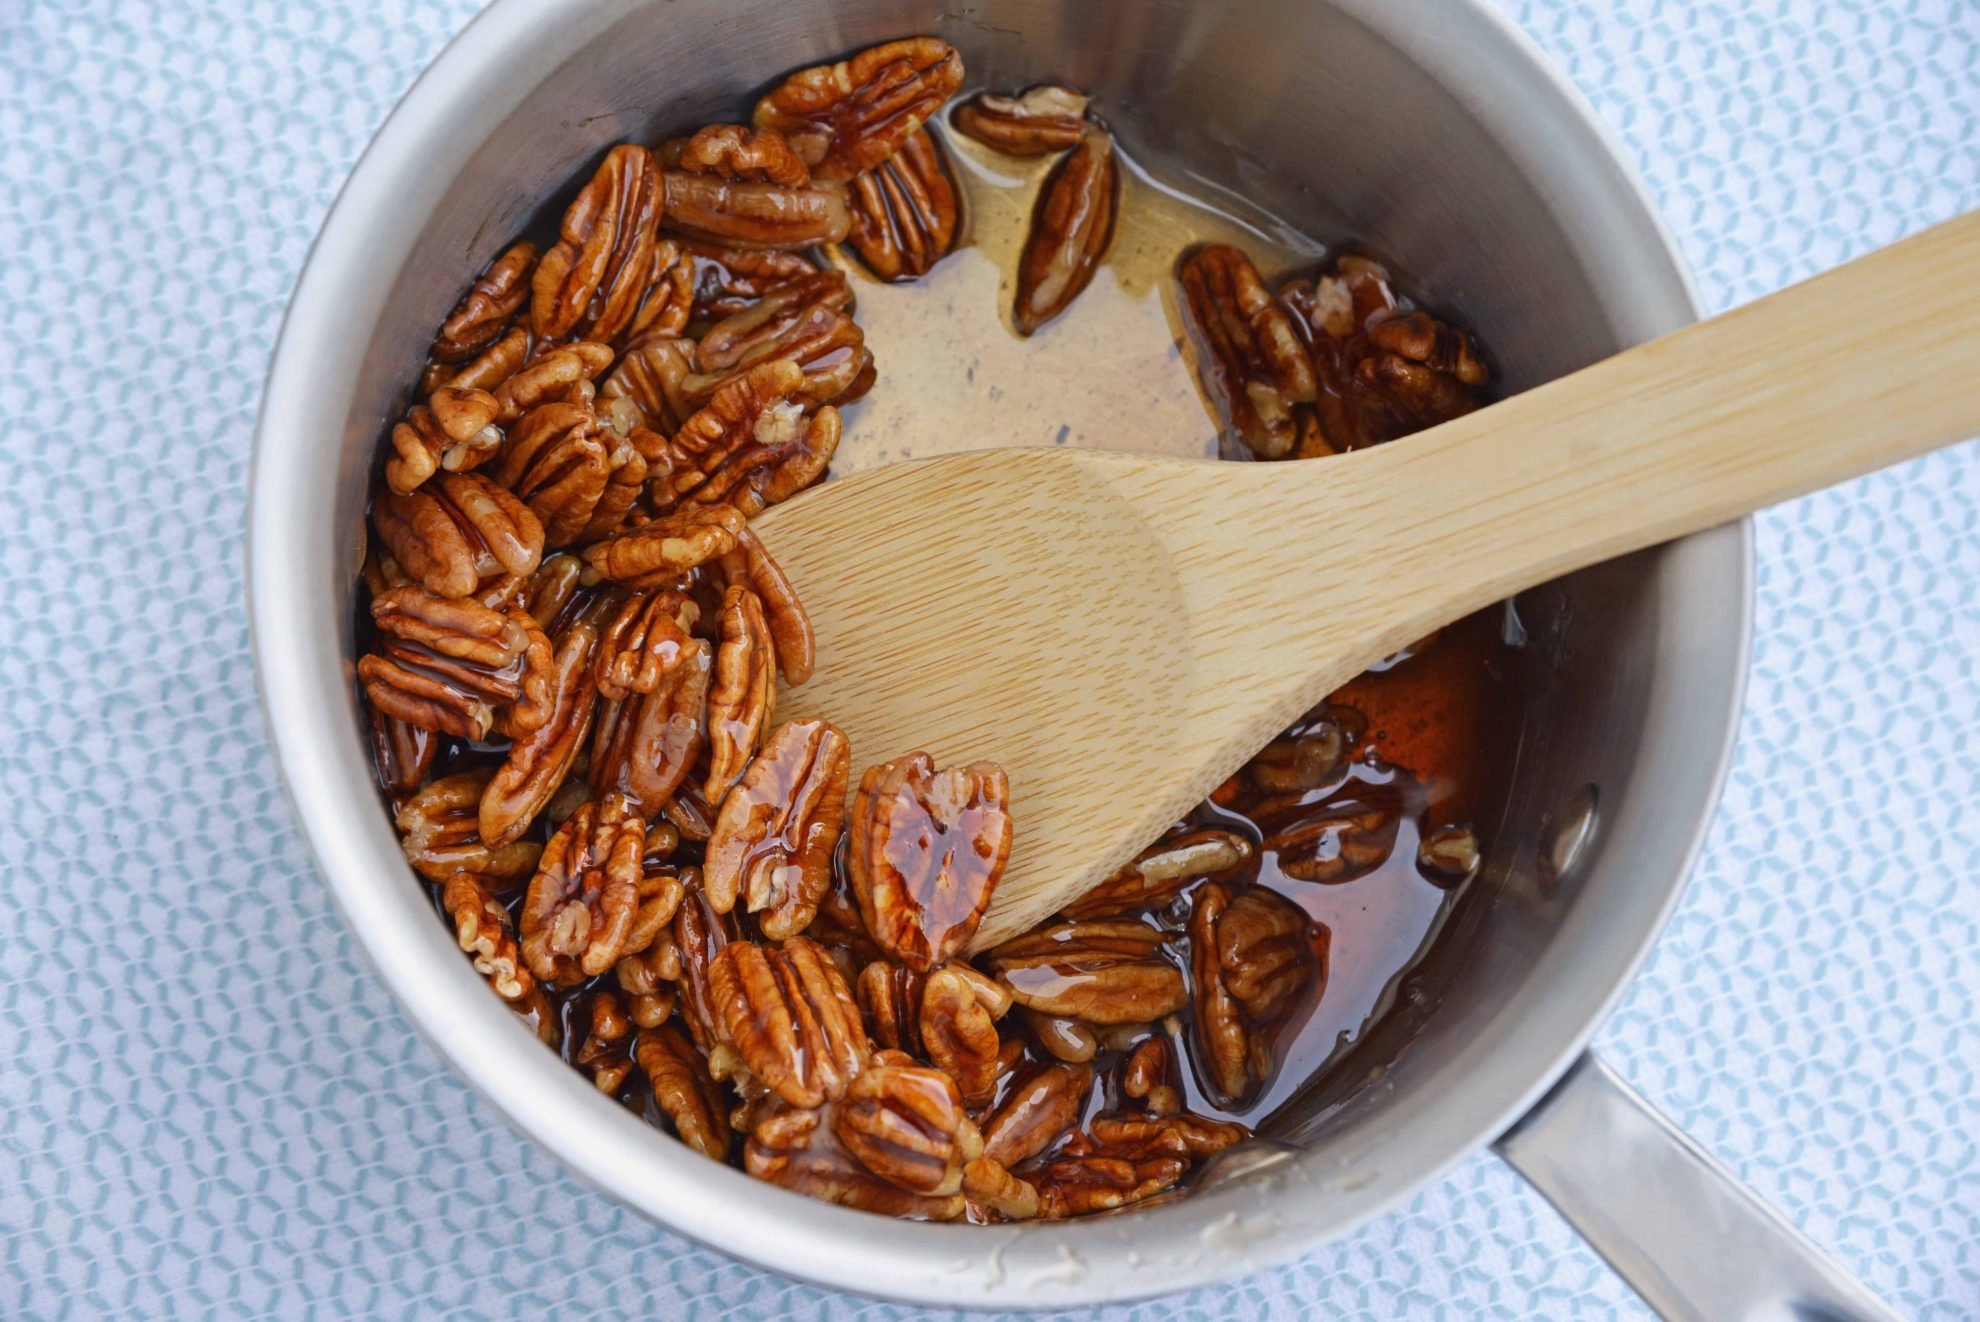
x: 1565, y: 837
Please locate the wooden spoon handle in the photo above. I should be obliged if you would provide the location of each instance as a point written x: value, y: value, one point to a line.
x: 1873, y: 362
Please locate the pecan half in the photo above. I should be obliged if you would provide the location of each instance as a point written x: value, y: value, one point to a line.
x: 1345, y: 836
x: 667, y: 546
x: 540, y: 758
x: 799, y: 1150
x: 440, y: 832
x: 1198, y: 1135
x: 734, y: 151
x: 727, y: 280
x: 904, y: 210
x: 487, y: 369
x: 556, y: 463
x: 700, y: 934
x: 1039, y: 121
x: 783, y: 459
x: 788, y: 1012
x: 994, y: 1193
x: 401, y: 752
x: 488, y: 307
x: 958, y: 1030
x: 482, y: 928
x: 906, y: 1124
x: 1160, y: 872
x: 593, y: 278
x: 790, y: 628
x: 563, y: 374
x: 669, y: 301
x: 647, y: 744
x: 603, y: 1054
x: 455, y: 429
x: 643, y: 640
x: 742, y: 698
x: 455, y: 666
x: 804, y: 321
x: 626, y: 471
x: 1103, y: 971
x: 1091, y: 1176
x: 584, y: 898
x: 1036, y: 1112
x: 925, y: 851
x: 774, y: 835
x: 753, y: 406
x: 753, y: 215
x: 1310, y: 756
x: 1251, y: 958
x: 1251, y: 361
x: 1071, y: 227
x: 847, y: 117
x: 457, y: 531
x: 682, y: 1088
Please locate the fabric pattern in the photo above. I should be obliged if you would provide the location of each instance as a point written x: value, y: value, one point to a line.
x: 211, y: 1108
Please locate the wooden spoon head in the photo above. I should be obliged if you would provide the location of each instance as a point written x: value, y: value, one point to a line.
x: 1030, y: 608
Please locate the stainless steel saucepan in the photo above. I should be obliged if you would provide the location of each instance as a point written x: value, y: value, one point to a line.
x: 1446, y: 143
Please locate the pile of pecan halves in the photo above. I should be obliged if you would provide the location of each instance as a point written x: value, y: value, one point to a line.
x: 571, y: 672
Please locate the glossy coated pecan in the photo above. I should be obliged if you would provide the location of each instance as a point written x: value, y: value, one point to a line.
x: 662, y: 886
x: 700, y: 934
x: 735, y: 151
x: 455, y: 666
x: 584, y: 899
x: 1148, y: 1076
x: 735, y: 214
x: 626, y: 471
x: 785, y: 457
x: 798, y: 1150
x: 648, y: 979
x: 540, y: 758
x: 925, y: 851
x: 648, y: 743
x: 1251, y: 958
x: 1103, y: 971
x: 805, y: 321
x: 1036, y: 1112
x: 890, y: 996
x: 645, y: 388
x: 727, y: 280
x: 560, y: 375
x: 750, y: 563
x: 742, y: 697
x: 458, y: 531
x: 441, y: 833
x: 994, y: 1194
x: 958, y: 1030
x: 487, y: 369
x: 1312, y: 755
x: 552, y: 590
x: 753, y: 407
x: 1160, y: 872
x: 593, y: 278
x: 1252, y: 363
x: 904, y: 210
x: 1047, y: 118
x: 668, y: 546
x: 481, y: 926
x: 847, y: 117
x: 488, y: 307
x: 669, y: 301
x: 556, y: 462
x: 788, y: 1012
x: 1449, y: 855
x: 1071, y: 227
x: 906, y: 1124
x: 401, y: 752
x: 775, y: 832
x: 690, y: 811
x: 603, y: 1054
x: 1064, y: 1039
x: 1342, y: 837
x: 1136, y: 1135
x: 682, y: 1088
x: 455, y: 429
x: 645, y: 637
x: 1089, y: 1176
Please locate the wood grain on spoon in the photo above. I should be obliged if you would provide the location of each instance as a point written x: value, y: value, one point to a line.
x: 1121, y: 631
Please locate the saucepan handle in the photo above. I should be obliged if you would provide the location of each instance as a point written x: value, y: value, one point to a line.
x: 1674, y: 1223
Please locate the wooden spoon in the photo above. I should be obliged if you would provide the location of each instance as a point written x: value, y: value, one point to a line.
x: 1121, y: 632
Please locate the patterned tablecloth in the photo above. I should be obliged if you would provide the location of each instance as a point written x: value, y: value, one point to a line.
x: 208, y: 1105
